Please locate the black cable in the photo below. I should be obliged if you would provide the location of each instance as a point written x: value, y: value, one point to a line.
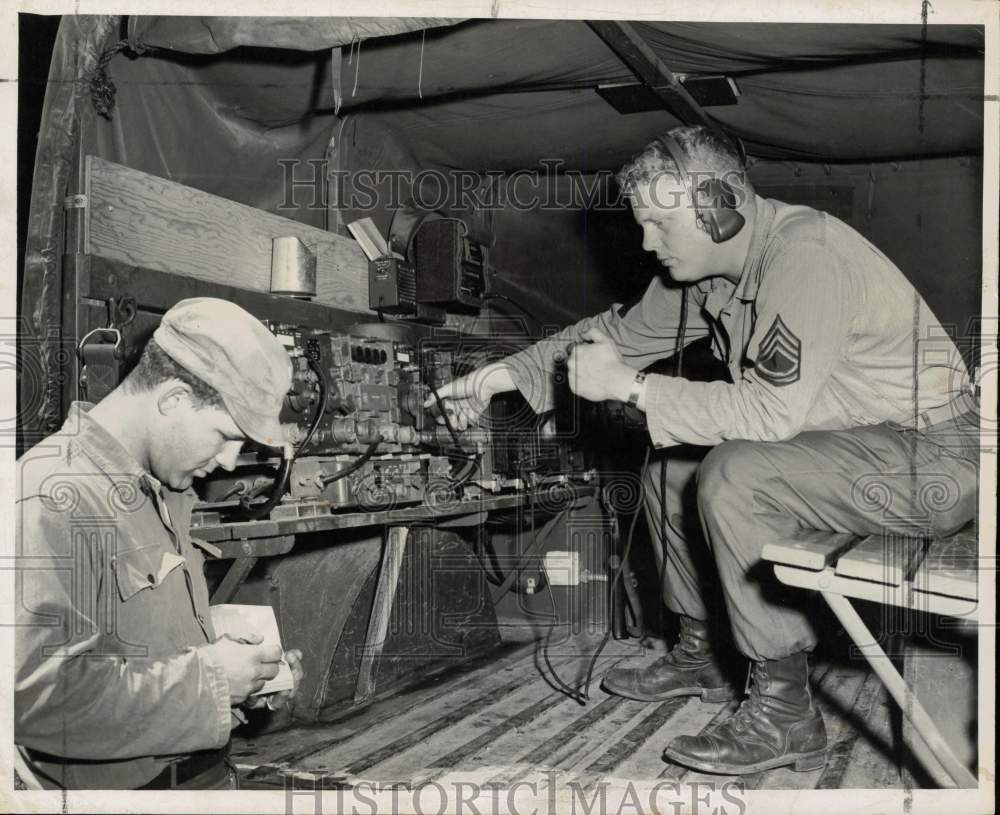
x: 312, y: 360
x: 678, y: 371
x: 679, y: 342
x: 280, y: 484
x: 518, y: 567
x: 355, y: 465
x: 485, y: 548
x: 460, y: 479
x: 466, y: 472
x: 281, y: 479
x: 568, y: 690
x: 444, y: 414
x: 615, y: 582
x: 562, y: 687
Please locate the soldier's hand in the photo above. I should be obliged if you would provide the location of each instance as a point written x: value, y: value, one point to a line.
x: 283, y: 698
x: 248, y: 665
x: 595, y: 369
x: 467, y: 397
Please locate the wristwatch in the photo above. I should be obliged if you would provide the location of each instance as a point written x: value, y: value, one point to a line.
x: 634, y: 393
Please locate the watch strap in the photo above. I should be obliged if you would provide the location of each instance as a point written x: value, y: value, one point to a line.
x: 636, y: 391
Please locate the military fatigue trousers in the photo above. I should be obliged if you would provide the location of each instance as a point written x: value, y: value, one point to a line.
x: 723, y: 504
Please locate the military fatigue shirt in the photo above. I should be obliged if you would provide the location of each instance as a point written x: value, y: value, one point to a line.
x: 822, y: 332
x: 111, y: 605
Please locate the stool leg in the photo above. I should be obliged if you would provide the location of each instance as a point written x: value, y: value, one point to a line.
x: 909, y: 704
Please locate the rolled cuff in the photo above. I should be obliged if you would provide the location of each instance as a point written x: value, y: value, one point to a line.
x: 217, y: 684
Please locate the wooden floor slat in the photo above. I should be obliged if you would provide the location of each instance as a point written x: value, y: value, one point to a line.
x: 873, y: 761
x: 500, y: 723
x: 516, y: 755
x: 615, y: 755
x: 522, y: 718
x: 841, y: 750
x: 439, y: 723
x: 584, y: 745
x: 289, y: 747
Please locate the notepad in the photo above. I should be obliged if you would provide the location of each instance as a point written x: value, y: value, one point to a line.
x: 240, y: 620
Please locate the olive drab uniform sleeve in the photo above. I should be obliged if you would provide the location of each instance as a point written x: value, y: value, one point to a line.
x: 645, y: 332
x: 801, y: 323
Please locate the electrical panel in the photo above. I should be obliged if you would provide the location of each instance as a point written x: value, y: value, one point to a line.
x: 355, y: 414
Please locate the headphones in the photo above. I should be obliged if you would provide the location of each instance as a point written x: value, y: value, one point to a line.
x: 714, y: 199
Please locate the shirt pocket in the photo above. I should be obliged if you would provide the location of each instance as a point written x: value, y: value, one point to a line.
x: 139, y: 569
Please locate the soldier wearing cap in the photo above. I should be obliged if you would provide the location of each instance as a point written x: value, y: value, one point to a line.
x: 847, y: 408
x: 120, y: 681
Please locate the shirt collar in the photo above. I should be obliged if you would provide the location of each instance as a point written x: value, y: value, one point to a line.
x: 749, y: 282
x: 100, y: 446
x: 719, y: 292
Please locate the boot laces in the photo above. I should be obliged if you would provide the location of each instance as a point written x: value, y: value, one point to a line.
x: 688, y: 641
x: 753, y: 705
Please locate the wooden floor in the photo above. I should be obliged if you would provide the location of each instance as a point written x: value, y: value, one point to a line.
x: 502, y: 721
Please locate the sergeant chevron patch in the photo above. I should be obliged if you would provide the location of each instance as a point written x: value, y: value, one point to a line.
x: 779, y: 357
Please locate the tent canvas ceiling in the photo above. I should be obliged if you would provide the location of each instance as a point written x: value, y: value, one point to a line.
x: 527, y: 86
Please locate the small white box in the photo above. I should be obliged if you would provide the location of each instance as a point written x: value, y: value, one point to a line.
x: 562, y: 568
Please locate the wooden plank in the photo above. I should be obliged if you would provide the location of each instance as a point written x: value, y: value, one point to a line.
x: 234, y: 577
x: 888, y: 559
x: 555, y: 747
x: 148, y: 221
x: 288, y: 748
x: 810, y: 549
x: 378, y: 624
x: 869, y: 731
x: 943, y: 676
x: 950, y: 567
x: 463, y: 714
x: 523, y: 719
x: 641, y: 60
x: 632, y: 742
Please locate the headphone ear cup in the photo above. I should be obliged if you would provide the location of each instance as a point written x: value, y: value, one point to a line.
x: 717, y: 205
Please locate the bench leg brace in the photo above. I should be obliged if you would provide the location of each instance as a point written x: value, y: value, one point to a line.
x: 893, y: 682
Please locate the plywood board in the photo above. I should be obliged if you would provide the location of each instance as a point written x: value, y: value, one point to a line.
x: 147, y: 221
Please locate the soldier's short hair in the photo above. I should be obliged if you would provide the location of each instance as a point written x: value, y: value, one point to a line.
x: 707, y: 153
x: 156, y: 366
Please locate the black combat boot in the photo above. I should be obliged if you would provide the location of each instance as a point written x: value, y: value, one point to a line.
x: 776, y: 725
x: 691, y: 668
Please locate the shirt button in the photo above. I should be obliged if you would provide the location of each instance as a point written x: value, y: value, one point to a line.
x: 201, y: 619
x: 151, y: 578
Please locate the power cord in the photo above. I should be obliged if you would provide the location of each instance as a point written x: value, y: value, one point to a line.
x: 616, y: 580
x: 463, y: 476
x: 312, y: 355
x: 355, y: 465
